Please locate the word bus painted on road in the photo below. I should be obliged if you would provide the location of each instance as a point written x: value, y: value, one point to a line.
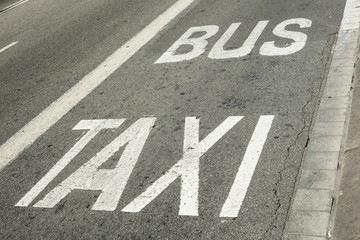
x: 112, y: 182
x: 217, y: 52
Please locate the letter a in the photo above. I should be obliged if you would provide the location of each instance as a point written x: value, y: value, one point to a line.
x: 110, y: 181
x: 94, y: 127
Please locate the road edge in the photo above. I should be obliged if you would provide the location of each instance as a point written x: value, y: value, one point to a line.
x: 312, y: 211
x: 345, y: 221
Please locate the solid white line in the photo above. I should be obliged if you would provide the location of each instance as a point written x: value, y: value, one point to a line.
x: 7, y: 47
x: 53, y: 113
x: 14, y: 5
x: 246, y: 170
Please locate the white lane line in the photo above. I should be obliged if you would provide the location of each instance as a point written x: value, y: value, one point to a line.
x: 7, y: 47
x: 53, y: 113
x: 14, y: 5
x: 246, y: 170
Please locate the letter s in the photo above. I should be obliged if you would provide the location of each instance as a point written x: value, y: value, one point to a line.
x: 269, y: 48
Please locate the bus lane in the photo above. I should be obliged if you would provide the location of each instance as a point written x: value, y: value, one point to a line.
x: 199, y: 135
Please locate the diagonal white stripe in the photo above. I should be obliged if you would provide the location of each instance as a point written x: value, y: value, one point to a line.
x: 14, y: 5
x: 53, y: 113
x: 7, y: 47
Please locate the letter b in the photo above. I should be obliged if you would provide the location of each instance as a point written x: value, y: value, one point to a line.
x: 198, y: 44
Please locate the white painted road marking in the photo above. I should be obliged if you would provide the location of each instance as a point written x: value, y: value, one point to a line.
x: 246, y: 170
x: 301, y: 224
x: 187, y: 168
x: 14, y: 5
x: 111, y: 182
x: 269, y: 48
x: 53, y: 113
x: 217, y: 52
x: 7, y: 47
x: 94, y: 127
x: 198, y: 43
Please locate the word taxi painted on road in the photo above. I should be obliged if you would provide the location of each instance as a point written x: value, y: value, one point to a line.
x: 112, y: 182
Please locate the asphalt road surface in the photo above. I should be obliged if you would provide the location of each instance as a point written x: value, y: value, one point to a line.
x: 157, y: 119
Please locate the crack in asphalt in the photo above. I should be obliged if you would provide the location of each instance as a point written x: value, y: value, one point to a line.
x: 276, y: 193
x: 307, y: 120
